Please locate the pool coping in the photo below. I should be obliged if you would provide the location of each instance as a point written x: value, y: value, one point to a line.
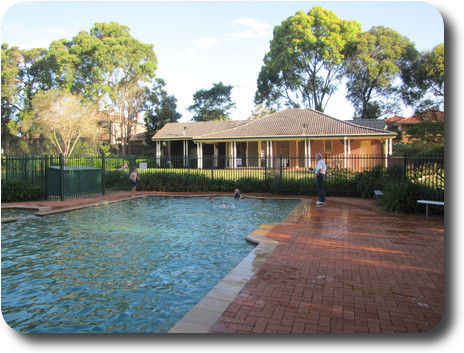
x: 202, y: 317
x: 46, y: 210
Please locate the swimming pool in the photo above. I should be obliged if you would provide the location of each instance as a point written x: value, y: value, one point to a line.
x: 131, y: 266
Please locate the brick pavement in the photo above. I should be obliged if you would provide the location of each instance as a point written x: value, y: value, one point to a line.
x: 345, y: 267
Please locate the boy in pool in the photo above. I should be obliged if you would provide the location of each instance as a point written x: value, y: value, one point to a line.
x: 237, y: 194
x: 133, y: 180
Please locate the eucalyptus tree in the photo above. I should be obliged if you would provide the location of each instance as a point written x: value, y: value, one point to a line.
x: 160, y: 109
x: 106, y: 66
x: 373, y: 69
x: 424, y: 80
x: 22, y: 78
x: 10, y: 88
x: 212, y: 104
x: 304, y: 65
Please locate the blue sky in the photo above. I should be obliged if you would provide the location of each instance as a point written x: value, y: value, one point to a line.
x: 201, y: 43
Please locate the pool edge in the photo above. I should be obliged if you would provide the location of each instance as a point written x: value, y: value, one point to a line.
x: 202, y: 317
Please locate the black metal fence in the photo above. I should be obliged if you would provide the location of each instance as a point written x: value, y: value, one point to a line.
x: 63, y: 177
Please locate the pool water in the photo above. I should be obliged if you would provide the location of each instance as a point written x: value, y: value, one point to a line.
x: 131, y: 266
x: 18, y: 213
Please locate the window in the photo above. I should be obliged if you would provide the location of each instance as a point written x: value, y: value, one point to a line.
x: 328, y: 146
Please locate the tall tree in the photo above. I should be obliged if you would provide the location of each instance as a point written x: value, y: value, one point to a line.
x: 21, y: 80
x: 424, y: 80
x: 129, y: 103
x: 372, y: 69
x: 303, y: 67
x: 106, y: 66
x: 108, y: 57
x: 212, y: 104
x: 10, y: 89
x: 64, y: 119
x: 103, y: 66
x: 160, y: 109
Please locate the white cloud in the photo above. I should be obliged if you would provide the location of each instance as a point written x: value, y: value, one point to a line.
x: 247, y: 28
x: 250, y: 29
x: 253, y: 28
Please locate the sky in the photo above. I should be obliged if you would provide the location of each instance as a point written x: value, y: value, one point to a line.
x: 201, y: 43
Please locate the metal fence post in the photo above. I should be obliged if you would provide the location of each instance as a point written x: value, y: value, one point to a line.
x: 46, y: 177
x: 265, y: 166
x: 61, y: 176
x: 103, y: 171
x: 7, y: 167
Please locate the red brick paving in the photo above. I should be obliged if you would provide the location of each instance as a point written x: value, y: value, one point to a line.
x: 344, y: 267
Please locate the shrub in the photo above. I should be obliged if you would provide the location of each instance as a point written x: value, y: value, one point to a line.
x: 339, y: 187
x: 294, y: 187
x: 117, y: 179
x: 17, y: 190
x: 364, y: 183
x: 249, y: 184
x: 402, y: 196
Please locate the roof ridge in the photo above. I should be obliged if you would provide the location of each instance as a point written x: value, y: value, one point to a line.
x: 343, y: 121
x: 232, y: 128
x: 361, y: 126
x: 224, y: 130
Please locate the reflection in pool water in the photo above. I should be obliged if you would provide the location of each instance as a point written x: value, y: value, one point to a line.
x: 132, y: 266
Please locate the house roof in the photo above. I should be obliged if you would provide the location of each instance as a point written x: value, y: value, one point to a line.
x: 190, y: 130
x: 393, y: 119
x: 416, y: 118
x: 375, y: 123
x: 412, y: 120
x: 286, y: 124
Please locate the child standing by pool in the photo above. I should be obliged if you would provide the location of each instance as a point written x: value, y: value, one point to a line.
x: 133, y: 180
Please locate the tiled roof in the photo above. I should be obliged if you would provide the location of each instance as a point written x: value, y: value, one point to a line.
x: 375, y: 123
x: 416, y: 118
x: 408, y: 121
x: 290, y: 123
x: 175, y: 131
x: 393, y: 119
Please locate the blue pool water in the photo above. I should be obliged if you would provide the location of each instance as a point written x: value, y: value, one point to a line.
x: 131, y: 266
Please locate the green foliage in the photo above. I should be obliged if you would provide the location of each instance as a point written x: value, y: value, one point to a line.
x: 344, y: 187
x: 364, y: 183
x: 117, y: 179
x: 424, y: 79
x: 402, y: 196
x: 104, y: 65
x: 16, y: 191
x: 160, y: 109
x: 250, y: 184
x: 212, y: 104
x: 305, y: 59
x: 372, y: 65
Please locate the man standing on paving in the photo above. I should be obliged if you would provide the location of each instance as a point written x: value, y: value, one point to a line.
x: 320, y: 171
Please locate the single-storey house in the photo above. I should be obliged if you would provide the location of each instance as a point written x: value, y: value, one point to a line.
x: 270, y: 140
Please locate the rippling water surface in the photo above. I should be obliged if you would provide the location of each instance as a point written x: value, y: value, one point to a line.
x: 132, y: 266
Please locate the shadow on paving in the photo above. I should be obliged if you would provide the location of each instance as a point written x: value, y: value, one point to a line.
x: 345, y: 267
